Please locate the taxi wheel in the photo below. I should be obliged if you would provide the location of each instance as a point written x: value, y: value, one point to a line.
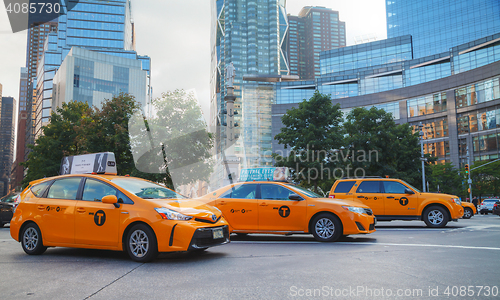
x: 435, y: 216
x: 468, y: 213
x: 31, y: 240
x: 326, y: 228
x: 141, y: 243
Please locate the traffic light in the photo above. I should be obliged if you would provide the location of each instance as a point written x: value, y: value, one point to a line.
x: 466, y: 169
x: 468, y: 190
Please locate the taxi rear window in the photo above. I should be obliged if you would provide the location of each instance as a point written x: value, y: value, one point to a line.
x: 344, y: 186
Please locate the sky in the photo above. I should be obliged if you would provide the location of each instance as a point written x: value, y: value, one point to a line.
x: 176, y: 35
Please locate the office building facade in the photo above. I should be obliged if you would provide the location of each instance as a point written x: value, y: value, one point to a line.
x: 454, y: 93
x: 251, y: 35
x: 7, y: 130
x: 314, y: 30
x: 88, y: 76
x: 437, y: 26
x: 104, y: 27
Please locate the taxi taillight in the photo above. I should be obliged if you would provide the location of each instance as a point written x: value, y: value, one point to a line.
x: 332, y: 196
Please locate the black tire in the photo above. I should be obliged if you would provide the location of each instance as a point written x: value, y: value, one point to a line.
x: 436, y: 217
x: 468, y: 213
x: 141, y: 244
x: 31, y: 240
x: 326, y: 227
x: 1, y: 224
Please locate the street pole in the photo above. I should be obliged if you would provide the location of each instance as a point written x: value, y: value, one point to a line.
x: 422, y: 158
x: 470, y: 180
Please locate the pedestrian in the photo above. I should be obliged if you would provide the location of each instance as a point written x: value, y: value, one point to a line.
x: 474, y: 201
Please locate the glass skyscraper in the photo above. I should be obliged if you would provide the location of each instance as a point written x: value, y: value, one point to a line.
x: 102, y: 26
x: 252, y: 35
x: 437, y: 26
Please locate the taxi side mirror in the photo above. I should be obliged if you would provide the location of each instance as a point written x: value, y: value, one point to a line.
x: 295, y: 197
x: 111, y: 199
x: 408, y: 191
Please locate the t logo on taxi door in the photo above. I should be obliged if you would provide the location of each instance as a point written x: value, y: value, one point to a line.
x: 284, y: 211
x: 99, y: 218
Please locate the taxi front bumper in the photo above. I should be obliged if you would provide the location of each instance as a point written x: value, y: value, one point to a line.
x: 360, y: 224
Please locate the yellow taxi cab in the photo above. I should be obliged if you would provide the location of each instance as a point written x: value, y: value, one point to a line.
x: 394, y: 199
x: 105, y: 211
x: 278, y: 207
x: 469, y: 210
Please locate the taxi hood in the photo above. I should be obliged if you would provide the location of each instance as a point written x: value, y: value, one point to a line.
x: 340, y: 201
x: 192, y: 208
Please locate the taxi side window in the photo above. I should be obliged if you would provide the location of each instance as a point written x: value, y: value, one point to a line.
x: 66, y: 188
x: 274, y: 192
x: 393, y: 187
x: 344, y: 186
x: 243, y: 191
x: 94, y: 190
x: 38, y: 189
x: 369, y: 187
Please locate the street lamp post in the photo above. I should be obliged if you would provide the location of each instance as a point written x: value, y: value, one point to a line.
x: 422, y: 158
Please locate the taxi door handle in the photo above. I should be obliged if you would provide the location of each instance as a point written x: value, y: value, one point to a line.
x: 80, y: 210
x: 41, y: 207
x: 222, y: 202
x: 263, y: 204
x: 361, y: 196
x: 390, y: 197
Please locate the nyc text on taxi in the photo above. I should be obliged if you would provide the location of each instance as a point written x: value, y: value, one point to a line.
x: 283, y: 208
x: 101, y: 211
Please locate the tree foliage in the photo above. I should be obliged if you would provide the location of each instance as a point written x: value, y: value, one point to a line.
x: 445, y: 178
x: 311, y: 131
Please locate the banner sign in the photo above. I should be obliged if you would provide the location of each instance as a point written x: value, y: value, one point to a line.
x: 101, y: 163
x: 265, y: 174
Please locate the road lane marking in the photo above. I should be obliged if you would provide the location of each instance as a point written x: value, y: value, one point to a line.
x: 365, y: 243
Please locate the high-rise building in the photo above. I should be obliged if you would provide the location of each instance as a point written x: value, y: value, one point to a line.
x: 252, y: 36
x: 7, y: 129
x: 437, y: 26
x: 89, y: 76
x: 34, y: 50
x: 315, y: 29
x: 103, y: 26
x: 22, y: 118
x: 438, y: 73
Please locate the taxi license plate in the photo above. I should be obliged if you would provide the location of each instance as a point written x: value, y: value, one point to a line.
x: 218, y: 233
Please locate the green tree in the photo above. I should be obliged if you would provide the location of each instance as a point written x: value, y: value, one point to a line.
x: 485, y: 179
x: 377, y: 146
x: 60, y: 138
x: 311, y: 131
x: 173, y: 143
x: 445, y: 178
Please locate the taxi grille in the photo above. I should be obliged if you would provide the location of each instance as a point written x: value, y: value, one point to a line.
x: 372, y: 226
x: 369, y: 211
x: 203, y: 238
x: 207, y: 221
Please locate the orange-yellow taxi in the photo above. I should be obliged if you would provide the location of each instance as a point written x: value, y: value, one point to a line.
x: 115, y: 213
x: 469, y: 210
x: 284, y: 208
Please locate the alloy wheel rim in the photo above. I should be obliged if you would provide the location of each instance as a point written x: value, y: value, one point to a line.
x: 139, y: 243
x: 436, y: 217
x: 30, y: 239
x: 325, y: 228
x: 467, y: 213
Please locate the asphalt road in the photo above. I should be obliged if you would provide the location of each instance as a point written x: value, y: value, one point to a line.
x: 402, y: 260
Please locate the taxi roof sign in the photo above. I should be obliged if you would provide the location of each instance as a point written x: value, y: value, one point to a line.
x: 98, y: 163
x: 265, y: 174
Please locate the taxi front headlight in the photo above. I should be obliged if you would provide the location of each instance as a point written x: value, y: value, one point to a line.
x: 169, y: 214
x: 359, y: 210
x: 456, y: 200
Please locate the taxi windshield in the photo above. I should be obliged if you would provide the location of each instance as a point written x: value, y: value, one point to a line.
x: 418, y: 191
x: 146, y: 189
x: 308, y: 193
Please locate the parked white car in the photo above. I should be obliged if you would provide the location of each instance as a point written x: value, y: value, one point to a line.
x: 486, y: 206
